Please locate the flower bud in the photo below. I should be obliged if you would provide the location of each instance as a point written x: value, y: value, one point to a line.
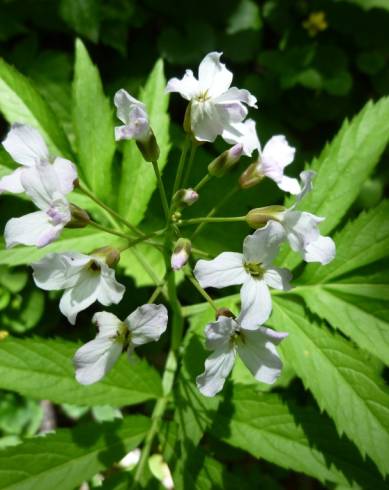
x: 80, y: 218
x: 185, y: 197
x: 250, y: 177
x: 224, y: 312
x: 109, y: 254
x: 224, y: 162
x: 258, y: 217
x: 181, y: 253
x: 187, y: 120
x: 148, y: 146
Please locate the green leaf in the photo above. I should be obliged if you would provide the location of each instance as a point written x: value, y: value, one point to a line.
x: 245, y: 17
x: 138, y: 182
x: 70, y: 456
x: 20, y: 102
x: 369, y: 4
x: 344, y: 165
x: 72, y: 240
x: 93, y: 124
x: 292, y: 437
x: 42, y: 369
x: 341, y: 380
x: 134, y: 269
x: 82, y: 16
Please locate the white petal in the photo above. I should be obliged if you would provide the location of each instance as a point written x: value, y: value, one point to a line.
x: 320, y: 250
x: 263, y: 245
x: 289, y: 184
x: 107, y: 323
x: 243, y: 133
x: 32, y: 229
x: 236, y: 95
x: 25, y: 145
x: 94, y: 359
x: 206, y: 121
x: 278, y: 278
x: 217, y: 367
x: 219, y: 333
x: 109, y: 290
x: 125, y: 104
x: 213, y: 75
x: 224, y: 270
x: 59, y: 270
x: 12, y: 183
x: 42, y: 184
x: 66, y: 174
x: 301, y: 228
x: 256, y: 303
x: 147, y: 323
x: 306, y: 178
x: 276, y: 155
x: 188, y: 87
x: 81, y: 296
x: 258, y: 352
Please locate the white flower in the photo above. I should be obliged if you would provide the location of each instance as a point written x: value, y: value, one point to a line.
x: 94, y: 359
x: 27, y: 147
x: 243, y: 133
x: 214, y: 105
x: 257, y: 349
x: 252, y: 269
x: 85, y: 279
x: 134, y: 115
x: 302, y: 231
x: 47, y: 185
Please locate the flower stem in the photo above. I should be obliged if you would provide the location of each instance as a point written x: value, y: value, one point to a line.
x: 109, y: 210
x: 207, y: 219
x: 162, y: 192
x: 190, y: 163
x: 203, y: 293
x: 202, y: 182
x: 181, y: 165
x: 109, y: 230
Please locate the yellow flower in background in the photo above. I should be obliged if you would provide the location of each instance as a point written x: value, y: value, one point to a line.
x: 315, y: 23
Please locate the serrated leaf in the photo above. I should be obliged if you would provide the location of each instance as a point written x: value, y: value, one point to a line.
x: 337, y: 374
x: 69, y: 457
x: 83, y: 241
x: 93, y: 124
x: 344, y: 165
x: 43, y: 369
x: 20, y: 102
x: 292, y: 437
x: 83, y: 16
x: 138, y: 182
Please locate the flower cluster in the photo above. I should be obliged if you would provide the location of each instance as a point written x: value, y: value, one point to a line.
x: 214, y: 109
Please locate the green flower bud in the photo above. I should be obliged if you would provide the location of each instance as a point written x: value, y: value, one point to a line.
x: 80, y: 218
x: 109, y: 254
x: 258, y: 217
x: 224, y: 162
x: 250, y: 177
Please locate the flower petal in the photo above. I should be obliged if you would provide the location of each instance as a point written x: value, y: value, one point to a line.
x: 217, y: 367
x: 109, y: 290
x: 59, y: 270
x: 107, y: 323
x: 321, y: 250
x: 125, y: 103
x: 206, y: 121
x: 42, y: 184
x: 25, y: 145
x: 31, y: 229
x: 188, y: 87
x: 147, y: 323
x: 243, y: 133
x: 289, y: 184
x: 301, y: 229
x: 306, y: 178
x: 12, y: 183
x: 256, y: 303
x: 278, y: 278
x: 219, y: 333
x: 66, y: 174
x: 214, y: 78
x: 258, y: 352
x: 94, y: 359
x: 81, y: 296
x: 224, y: 270
x: 263, y: 245
x: 235, y: 94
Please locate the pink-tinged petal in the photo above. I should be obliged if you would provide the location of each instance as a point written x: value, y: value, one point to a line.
x: 259, y: 353
x: 12, y: 182
x: 256, y: 303
x: 224, y: 270
x: 278, y: 278
x: 59, y: 270
x: 276, y: 155
x: 214, y: 78
x: 25, y: 145
x: 95, y: 359
x: 243, y: 133
x: 32, y: 229
x: 125, y: 104
x: 217, y: 367
x: 66, y: 173
x: 147, y: 323
x: 188, y: 87
x: 263, y: 245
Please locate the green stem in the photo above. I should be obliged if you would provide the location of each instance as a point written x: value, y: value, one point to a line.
x: 203, y: 293
x: 202, y: 182
x: 109, y: 230
x: 190, y: 164
x: 109, y: 210
x: 206, y: 219
x: 181, y: 165
x: 162, y: 192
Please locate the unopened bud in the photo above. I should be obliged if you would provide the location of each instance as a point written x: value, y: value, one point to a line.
x: 185, y: 197
x: 181, y: 253
x: 148, y: 146
x: 224, y: 162
x: 109, y: 254
x: 250, y: 177
x: 80, y: 218
x: 187, y: 120
x: 258, y: 217
x: 224, y: 312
